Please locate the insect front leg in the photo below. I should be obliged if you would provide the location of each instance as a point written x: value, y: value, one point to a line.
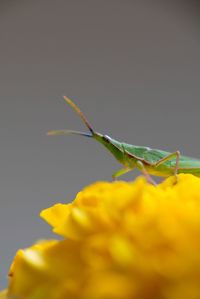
x: 121, y: 172
x: 142, y: 168
x: 170, y: 157
x: 126, y: 168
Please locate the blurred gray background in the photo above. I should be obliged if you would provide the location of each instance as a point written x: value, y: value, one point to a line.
x: 132, y: 66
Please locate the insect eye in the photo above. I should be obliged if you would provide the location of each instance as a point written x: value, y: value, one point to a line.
x: 106, y: 138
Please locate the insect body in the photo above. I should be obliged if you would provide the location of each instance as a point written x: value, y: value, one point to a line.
x: 147, y: 160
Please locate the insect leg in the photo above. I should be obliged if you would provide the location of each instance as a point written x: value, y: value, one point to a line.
x: 170, y: 157
x: 121, y: 172
x: 142, y: 168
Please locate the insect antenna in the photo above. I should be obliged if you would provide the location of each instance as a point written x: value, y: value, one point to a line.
x: 84, y: 119
x: 80, y: 113
x: 66, y: 132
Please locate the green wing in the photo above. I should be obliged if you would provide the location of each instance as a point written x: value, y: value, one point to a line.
x: 145, y: 153
x: 151, y: 156
x: 189, y: 163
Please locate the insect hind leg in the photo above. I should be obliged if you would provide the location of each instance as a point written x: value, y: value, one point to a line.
x: 170, y: 157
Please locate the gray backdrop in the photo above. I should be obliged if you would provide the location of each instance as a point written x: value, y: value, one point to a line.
x: 132, y: 66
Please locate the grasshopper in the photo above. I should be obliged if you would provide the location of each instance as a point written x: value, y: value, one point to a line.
x: 149, y: 161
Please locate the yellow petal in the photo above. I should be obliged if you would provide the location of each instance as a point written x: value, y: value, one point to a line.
x: 122, y: 240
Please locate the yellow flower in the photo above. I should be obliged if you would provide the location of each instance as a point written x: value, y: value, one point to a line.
x: 122, y: 240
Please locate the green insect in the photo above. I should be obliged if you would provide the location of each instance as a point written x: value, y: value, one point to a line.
x: 147, y: 160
